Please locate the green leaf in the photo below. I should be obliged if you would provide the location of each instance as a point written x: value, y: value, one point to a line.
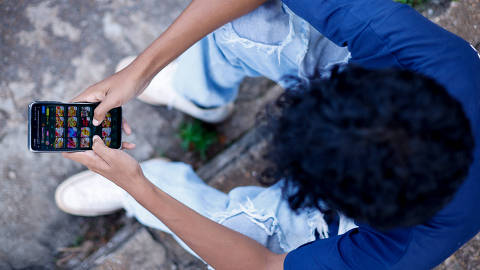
x: 197, y: 135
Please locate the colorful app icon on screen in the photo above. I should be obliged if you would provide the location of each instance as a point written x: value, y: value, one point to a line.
x: 59, y: 122
x: 47, y: 113
x: 72, y: 121
x: 72, y: 143
x: 108, y: 114
x: 84, y: 142
x: 72, y: 132
x: 72, y: 110
x: 59, y: 132
x: 85, y: 132
x: 107, y: 141
x: 106, y: 132
x: 60, y: 111
x: 85, y: 111
x: 107, y: 122
x: 58, y: 143
x: 43, y: 135
x: 85, y: 121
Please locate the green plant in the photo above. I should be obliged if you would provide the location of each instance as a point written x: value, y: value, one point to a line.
x: 78, y: 241
x: 196, y: 136
x: 412, y: 3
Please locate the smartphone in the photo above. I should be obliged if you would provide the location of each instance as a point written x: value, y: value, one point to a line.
x: 67, y: 127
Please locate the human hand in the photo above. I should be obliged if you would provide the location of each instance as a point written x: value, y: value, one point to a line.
x: 113, y: 164
x: 113, y: 91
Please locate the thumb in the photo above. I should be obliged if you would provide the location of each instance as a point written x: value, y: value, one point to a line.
x: 101, y: 149
x: 99, y: 113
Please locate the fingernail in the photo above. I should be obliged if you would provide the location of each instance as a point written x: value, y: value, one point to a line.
x: 95, y: 122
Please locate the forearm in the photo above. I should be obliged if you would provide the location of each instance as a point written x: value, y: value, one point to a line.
x: 199, y: 19
x: 218, y: 245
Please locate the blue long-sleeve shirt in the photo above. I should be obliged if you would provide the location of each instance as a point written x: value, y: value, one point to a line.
x: 382, y: 34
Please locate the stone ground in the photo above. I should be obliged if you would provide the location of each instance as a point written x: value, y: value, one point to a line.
x: 51, y: 50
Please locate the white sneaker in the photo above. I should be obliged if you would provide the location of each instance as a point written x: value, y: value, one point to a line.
x: 88, y: 194
x: 160, y: 92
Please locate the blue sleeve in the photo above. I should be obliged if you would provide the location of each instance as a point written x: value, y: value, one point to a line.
x: 366, y: 249
x: 384, y: 34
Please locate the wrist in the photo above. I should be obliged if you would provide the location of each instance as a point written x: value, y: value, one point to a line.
x: 139, y: 73
x: 147, y: 194
x: 147, y: 65
x: 138, y: 186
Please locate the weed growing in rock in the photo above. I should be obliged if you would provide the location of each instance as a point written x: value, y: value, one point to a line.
x: 413, y: 3
x: 195, y: 136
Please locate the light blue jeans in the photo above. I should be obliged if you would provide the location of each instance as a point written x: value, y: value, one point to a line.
x: 270, y: 42
x: 260, y: 213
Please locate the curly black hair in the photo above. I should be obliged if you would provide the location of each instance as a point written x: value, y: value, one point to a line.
x: 388, y: 148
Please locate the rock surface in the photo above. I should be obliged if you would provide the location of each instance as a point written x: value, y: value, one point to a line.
x: 140, y: 252
x: 51, y: 50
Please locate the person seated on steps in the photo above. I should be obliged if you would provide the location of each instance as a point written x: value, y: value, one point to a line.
x: 376, y: 159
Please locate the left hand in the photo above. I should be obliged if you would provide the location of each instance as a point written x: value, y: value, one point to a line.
x: 113, y: 164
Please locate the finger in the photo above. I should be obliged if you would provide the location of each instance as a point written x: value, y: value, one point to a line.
x: 126, y: 127
x: 89, y: 159
x: 102, y: 150
x: 99, y: 114
x: 80, y: 157
x: 128, y: 146
x: 94, y: 93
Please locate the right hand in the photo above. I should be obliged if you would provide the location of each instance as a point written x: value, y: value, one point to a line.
x: 113, y: 91
x: 114, y: 164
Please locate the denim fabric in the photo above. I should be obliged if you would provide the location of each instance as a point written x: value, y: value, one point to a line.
x: 270, y: 41
x: 271, y: 13
x: 260, y: 213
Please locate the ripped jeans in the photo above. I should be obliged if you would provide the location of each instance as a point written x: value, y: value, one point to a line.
x: 259, y: 213
x: 272, y: 42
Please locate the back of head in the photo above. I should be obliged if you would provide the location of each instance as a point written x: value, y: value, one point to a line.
x: 387, y: 148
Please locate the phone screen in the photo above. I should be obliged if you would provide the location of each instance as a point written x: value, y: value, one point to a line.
x: 67, y: 127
